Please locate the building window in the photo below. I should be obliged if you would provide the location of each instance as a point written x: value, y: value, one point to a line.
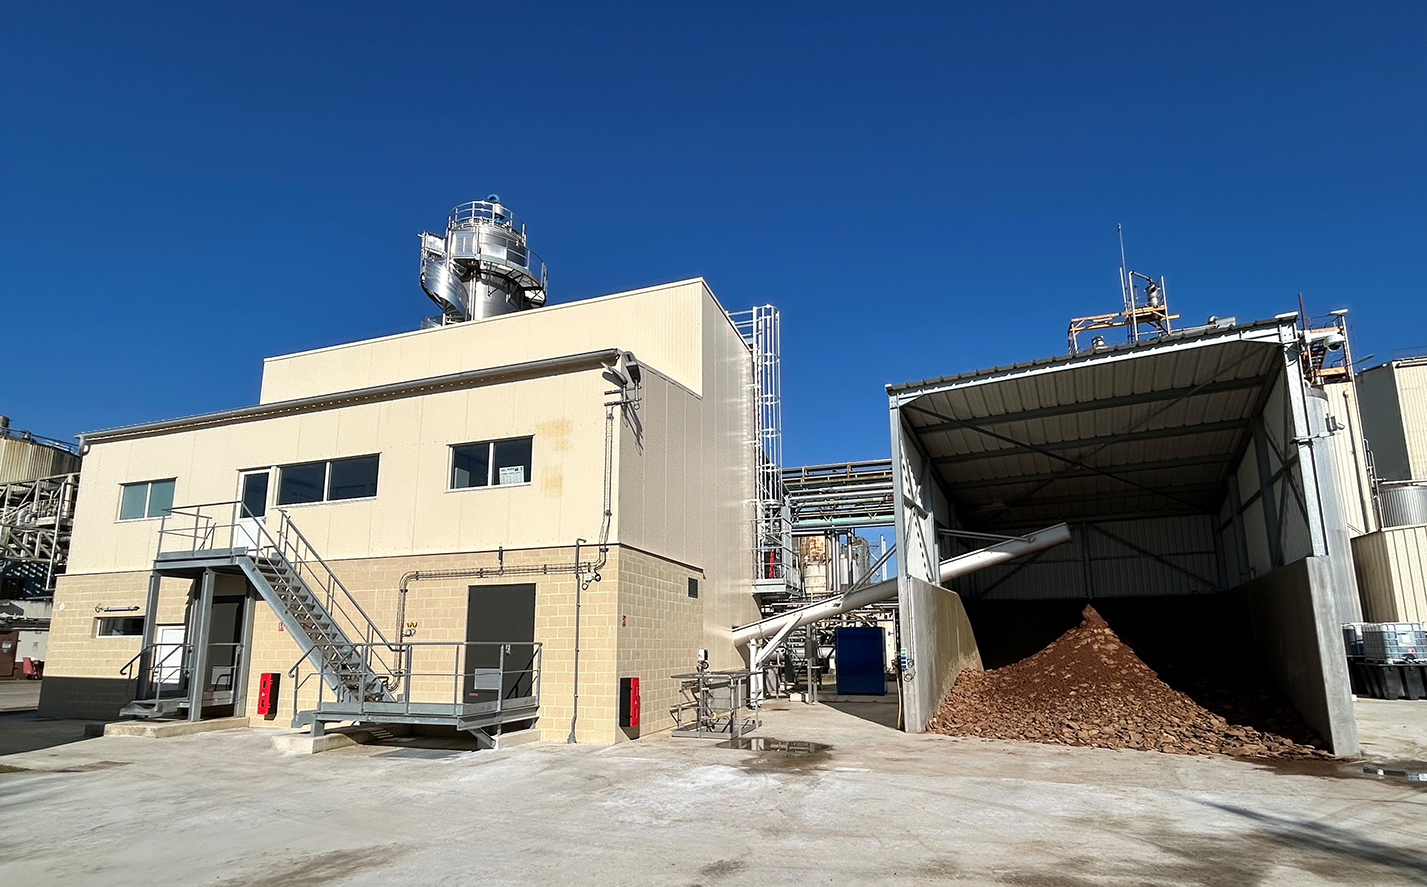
x: 119, y: 627
x: 148, y: 499
x: 329, y: 481
x: 491, y: 463
x: 693, y: 587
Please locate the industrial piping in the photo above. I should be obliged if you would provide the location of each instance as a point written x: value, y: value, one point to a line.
x: 961, y: 565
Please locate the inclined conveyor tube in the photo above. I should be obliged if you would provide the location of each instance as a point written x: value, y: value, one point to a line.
x: 961, y: 565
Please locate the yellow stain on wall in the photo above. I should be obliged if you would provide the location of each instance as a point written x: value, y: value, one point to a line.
x: 556, y: 432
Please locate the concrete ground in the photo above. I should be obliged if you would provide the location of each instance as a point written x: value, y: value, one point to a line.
x: 875, y: 806
x: 1392, y: 730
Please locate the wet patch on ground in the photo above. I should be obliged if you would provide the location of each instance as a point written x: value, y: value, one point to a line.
x: 1409, y: 773
x: 779, y: 754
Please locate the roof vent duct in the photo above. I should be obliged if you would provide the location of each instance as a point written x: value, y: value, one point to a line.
x: 481, y: 267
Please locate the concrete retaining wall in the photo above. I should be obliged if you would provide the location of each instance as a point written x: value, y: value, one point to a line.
x: 1299, y: 639
x: 935, y: 628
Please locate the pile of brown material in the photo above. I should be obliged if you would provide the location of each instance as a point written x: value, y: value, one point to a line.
x: 1089, y: 689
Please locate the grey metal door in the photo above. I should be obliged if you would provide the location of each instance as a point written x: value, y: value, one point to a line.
x: 500, y: 631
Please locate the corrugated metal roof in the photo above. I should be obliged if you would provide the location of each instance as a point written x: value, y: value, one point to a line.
x: 1135, y: 429
x: 1255, y: 328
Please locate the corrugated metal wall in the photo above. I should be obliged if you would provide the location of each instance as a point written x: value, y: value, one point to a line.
x: 1392, y: 574
x: 1152, y: 556
x: 28, y: 460
x: 1412, y: 396
x: 1349, y: 459
x: 1382, y: 422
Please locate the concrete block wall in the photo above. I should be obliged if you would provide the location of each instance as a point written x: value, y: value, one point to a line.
x: 638, y: 621
x: 81, y: 669
x: 660, y: 630
x: 438, y: 607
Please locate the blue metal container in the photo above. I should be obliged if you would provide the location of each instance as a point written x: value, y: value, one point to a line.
x: 861, y: 664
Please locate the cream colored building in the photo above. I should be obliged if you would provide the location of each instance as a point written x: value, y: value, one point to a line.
x: 1394, y: 408
x: 473, y: 445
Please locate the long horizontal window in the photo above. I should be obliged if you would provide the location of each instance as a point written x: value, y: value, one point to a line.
x: 328, y: 481
x: 119, y: 626
x: 148, y: 499
x: 491, y: 463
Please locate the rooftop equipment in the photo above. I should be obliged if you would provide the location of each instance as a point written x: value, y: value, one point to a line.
x: 481, y: 267
x: 1146, y: 304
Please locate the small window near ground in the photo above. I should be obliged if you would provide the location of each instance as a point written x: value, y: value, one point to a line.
x: 331, y: 481
x: 491, y: 463
x: 148, y: 499
x: 693, y: 587
x: 120, y: 627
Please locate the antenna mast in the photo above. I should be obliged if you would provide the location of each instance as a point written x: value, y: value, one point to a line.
x: 1145, y: 302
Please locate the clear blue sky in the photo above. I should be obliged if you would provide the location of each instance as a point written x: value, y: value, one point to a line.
x: 186, y: 188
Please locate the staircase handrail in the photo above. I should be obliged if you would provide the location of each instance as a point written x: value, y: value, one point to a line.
x: 126, y: 669
x: 298, y: 560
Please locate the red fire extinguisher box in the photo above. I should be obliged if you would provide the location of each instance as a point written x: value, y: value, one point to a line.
x: 267, y: 694
x: 629, y: 702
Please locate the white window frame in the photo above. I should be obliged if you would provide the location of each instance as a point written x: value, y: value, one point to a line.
x: 99, y: 620
x: 275, y: 494
x: 148, y: 486
x: 490, y: 464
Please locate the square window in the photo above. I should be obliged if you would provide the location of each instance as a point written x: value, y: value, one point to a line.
x: 353, y: 478
x: 470, y: 466
x: 301, y: 483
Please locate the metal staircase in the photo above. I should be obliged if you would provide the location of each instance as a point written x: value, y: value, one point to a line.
x: 314, y: 607
x: 313, y: 610
x: 362, y: 675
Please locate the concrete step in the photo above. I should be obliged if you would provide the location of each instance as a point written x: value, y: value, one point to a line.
x: 169, y: 729
x: 519, y: 737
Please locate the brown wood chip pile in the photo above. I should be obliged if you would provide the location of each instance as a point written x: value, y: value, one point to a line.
x: 1088, y: 688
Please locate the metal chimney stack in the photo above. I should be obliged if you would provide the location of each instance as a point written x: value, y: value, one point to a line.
x: 481, y: 267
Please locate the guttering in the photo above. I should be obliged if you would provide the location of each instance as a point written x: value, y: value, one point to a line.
x: 391, y: 391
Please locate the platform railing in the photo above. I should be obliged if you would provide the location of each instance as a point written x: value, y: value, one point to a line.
x: 436, y: 679
x: 229, y: 527
x: 169, y: 676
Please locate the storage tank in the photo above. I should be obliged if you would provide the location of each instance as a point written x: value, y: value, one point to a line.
x: 26, y: 456
x: 1403, y: 505
x: 481, y: 267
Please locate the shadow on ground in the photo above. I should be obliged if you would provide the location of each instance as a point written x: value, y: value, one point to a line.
x: 22, y: 731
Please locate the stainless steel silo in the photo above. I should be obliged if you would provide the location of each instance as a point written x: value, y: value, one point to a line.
x: 1403, y: 505
x: 482, y: 267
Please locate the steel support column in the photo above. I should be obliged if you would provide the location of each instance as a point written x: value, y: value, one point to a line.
x: 146, y: 643
x: 244, y: 658
x: 1266, y: 499
x: 199, y: 629
x: 1241, y: 538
